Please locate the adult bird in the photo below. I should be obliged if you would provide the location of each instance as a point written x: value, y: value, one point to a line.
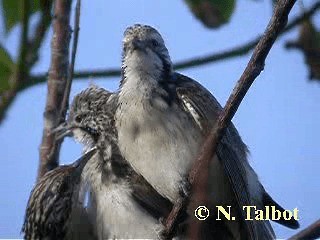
x: 162, y: 119
x: 55, y: 209
x: 121, y: 203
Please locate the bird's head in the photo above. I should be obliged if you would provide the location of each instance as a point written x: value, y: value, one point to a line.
x: 144, y: 51
x: 91, y: 117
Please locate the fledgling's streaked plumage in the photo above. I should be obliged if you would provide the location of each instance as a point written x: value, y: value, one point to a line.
x: 162, y: 119
x: 55, y: 209
x: 121, y: 203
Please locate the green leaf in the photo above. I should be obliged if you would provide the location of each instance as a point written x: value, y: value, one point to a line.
x: 212, y: 13
x: 6, y: 69
x: 13, y: 10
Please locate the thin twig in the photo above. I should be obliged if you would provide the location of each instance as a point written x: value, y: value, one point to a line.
x: 58, y: 73
x: 23, y: 40
x: 253, y: 69
x: 311, y: 232
x: 193, y: 62
x: 65, y: 101
x: 39, y: 34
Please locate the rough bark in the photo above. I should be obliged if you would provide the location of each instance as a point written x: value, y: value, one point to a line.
x: 58, y: 74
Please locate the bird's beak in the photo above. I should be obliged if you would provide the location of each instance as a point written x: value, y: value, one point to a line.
x: 82, y: 161
x: 63, y: 130
x: 138, y: 44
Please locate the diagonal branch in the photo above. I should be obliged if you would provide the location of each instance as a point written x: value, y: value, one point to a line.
x: 195, y: 61
x: 58, y: 74
x: 39, y: 34
x: 21, y: 65
x: 65, y: 100
x: 311, y: 232
x: 253, y: 69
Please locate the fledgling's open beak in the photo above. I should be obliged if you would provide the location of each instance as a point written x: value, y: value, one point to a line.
x: 82, y: 161
x: 63, y: 130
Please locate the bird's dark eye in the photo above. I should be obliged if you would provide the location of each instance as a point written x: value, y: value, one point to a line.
x: 78, y: 118
x: 92, y: 132
x: 154, y: 43
x: 89, y: 130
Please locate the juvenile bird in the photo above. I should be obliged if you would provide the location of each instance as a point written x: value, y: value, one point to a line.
x: 121, y: 203
x: 55, y: 209
x: 162, y: 119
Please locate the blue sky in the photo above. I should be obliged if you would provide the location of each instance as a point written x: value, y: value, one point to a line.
x: 278, y: 118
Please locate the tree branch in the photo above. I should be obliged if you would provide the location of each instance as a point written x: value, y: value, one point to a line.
x: 58, y: 73
x: 193, y: 62
x: 28, y: 50
x: 65, y: 101
x: 253, y: 69
x: 21, y: 65
x: 7, y: 97
x: 311, y: 232
x: 21, y: 71
x: 39, y: 34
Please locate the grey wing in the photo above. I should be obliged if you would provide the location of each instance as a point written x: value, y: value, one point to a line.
x: 231, y: 151
x: 50, y: 204
x: 155, y: 204
x: 143, y: 193
x: 149, y: 199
